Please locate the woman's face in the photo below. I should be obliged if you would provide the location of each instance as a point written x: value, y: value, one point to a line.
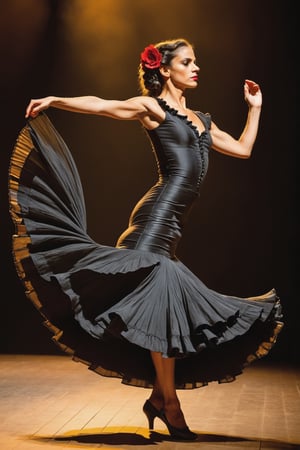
x: 183, y: 71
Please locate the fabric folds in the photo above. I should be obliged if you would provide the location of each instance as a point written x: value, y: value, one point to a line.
x: 109, y: 307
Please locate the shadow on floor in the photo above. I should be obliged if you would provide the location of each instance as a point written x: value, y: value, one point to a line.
x: 127, y: 438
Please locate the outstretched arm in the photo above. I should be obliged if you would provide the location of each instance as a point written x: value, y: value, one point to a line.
x: 131, y: 109
x: 242, y: 147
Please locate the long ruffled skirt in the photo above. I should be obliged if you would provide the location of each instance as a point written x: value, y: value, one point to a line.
x: 109, y: 307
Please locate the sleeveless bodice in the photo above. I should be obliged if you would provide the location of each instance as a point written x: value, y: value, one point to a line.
x: 181, y: 154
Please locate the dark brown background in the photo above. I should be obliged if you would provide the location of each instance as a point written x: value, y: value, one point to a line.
x: 242, y: 236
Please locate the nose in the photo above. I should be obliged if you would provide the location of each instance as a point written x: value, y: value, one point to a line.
x: 196, y: 68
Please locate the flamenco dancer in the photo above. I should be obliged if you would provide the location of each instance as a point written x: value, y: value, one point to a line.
x: 135, y: 311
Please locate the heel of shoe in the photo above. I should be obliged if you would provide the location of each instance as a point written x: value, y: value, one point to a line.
x: 151, y: 412
x: 150, y: 421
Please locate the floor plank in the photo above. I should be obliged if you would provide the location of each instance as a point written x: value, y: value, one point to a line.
x: 50, y: 402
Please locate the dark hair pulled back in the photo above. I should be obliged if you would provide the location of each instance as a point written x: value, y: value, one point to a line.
x: 150, y: 80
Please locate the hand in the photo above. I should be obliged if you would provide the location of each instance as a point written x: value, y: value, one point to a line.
x: 37, y: 105
x: 252, y: 93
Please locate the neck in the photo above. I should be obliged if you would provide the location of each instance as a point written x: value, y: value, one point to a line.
x: 174, y: 97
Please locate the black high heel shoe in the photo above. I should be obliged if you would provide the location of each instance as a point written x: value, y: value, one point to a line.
x: 151, y: 412
x: 182, y: 434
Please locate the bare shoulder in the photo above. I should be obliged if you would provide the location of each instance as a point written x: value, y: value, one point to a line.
x: 150, y: 104
x: 152, y: 114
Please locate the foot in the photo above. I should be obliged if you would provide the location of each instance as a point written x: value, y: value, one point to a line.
x: 178, y: 432
x: 175, y: 416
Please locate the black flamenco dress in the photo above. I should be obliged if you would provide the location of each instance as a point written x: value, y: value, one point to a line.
x: 110, y: 306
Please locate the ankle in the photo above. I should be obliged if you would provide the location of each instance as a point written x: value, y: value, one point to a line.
x: 174, y: 414
x: 172, y: 404
x: 157, y: 401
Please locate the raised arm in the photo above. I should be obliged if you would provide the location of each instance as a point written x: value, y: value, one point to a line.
x: 135, y: 108
x: 242, y: 147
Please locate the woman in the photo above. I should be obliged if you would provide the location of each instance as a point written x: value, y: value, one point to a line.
x: 135, y: 311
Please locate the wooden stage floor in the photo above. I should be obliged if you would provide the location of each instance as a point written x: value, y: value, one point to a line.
x: 51, y: 402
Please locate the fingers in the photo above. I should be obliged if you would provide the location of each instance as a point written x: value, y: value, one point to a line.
x: 30, y: 110
x: 252, y: 87
x: 35, y: 107
x: 28, y: 113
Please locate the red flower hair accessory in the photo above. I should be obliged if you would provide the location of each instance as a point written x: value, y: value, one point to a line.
x: 151, y: 58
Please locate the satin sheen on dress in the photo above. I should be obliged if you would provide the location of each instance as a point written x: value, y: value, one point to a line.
x: 110, y: 306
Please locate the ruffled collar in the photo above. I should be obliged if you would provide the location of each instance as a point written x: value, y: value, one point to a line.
x: 184, y: 117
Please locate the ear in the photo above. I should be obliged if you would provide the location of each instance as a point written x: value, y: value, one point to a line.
x: 165, y: 71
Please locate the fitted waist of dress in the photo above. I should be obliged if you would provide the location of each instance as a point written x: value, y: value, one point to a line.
x: 178, y: 181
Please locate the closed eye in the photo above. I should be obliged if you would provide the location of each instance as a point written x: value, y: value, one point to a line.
x: 188, y: 61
